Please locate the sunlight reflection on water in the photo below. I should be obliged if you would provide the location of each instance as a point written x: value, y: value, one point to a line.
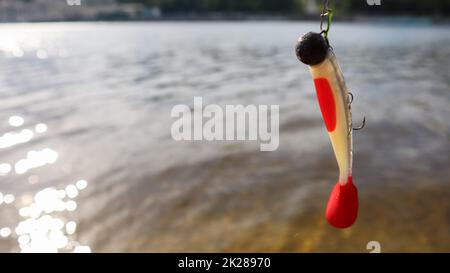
x: 43, y: 226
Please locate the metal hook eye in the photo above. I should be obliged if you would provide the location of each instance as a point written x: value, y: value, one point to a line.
x: 351, y: 97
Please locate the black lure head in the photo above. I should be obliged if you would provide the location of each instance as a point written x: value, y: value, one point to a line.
x: 311, y: 48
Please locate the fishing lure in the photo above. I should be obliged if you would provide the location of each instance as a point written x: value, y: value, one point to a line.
x: 334, y: 100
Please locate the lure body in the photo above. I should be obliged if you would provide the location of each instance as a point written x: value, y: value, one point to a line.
x: 333, y: 98
x: 313, y: 49
x: 334, y: 104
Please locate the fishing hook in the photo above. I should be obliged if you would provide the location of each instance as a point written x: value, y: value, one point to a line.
x: 361, y: 126
x: 350, y: 96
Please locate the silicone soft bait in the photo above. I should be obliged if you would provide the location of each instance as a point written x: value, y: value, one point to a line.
x: 334, y: 101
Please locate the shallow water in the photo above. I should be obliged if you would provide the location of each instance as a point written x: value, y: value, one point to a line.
x: 102, y: 95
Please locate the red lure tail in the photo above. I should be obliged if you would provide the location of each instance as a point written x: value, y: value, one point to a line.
x: 342, y: 207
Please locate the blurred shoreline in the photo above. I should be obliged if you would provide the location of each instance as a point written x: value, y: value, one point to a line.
x: 363, y: 21
x: 394, y: 20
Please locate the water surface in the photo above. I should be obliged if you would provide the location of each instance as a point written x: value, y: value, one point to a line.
x: 93, y: 166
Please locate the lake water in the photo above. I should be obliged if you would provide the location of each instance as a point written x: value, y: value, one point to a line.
x: 87, y: 162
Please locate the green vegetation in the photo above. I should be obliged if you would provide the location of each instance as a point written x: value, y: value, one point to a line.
x: 297, y: 7
x: 399, y: 7
x: 202, y: 6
